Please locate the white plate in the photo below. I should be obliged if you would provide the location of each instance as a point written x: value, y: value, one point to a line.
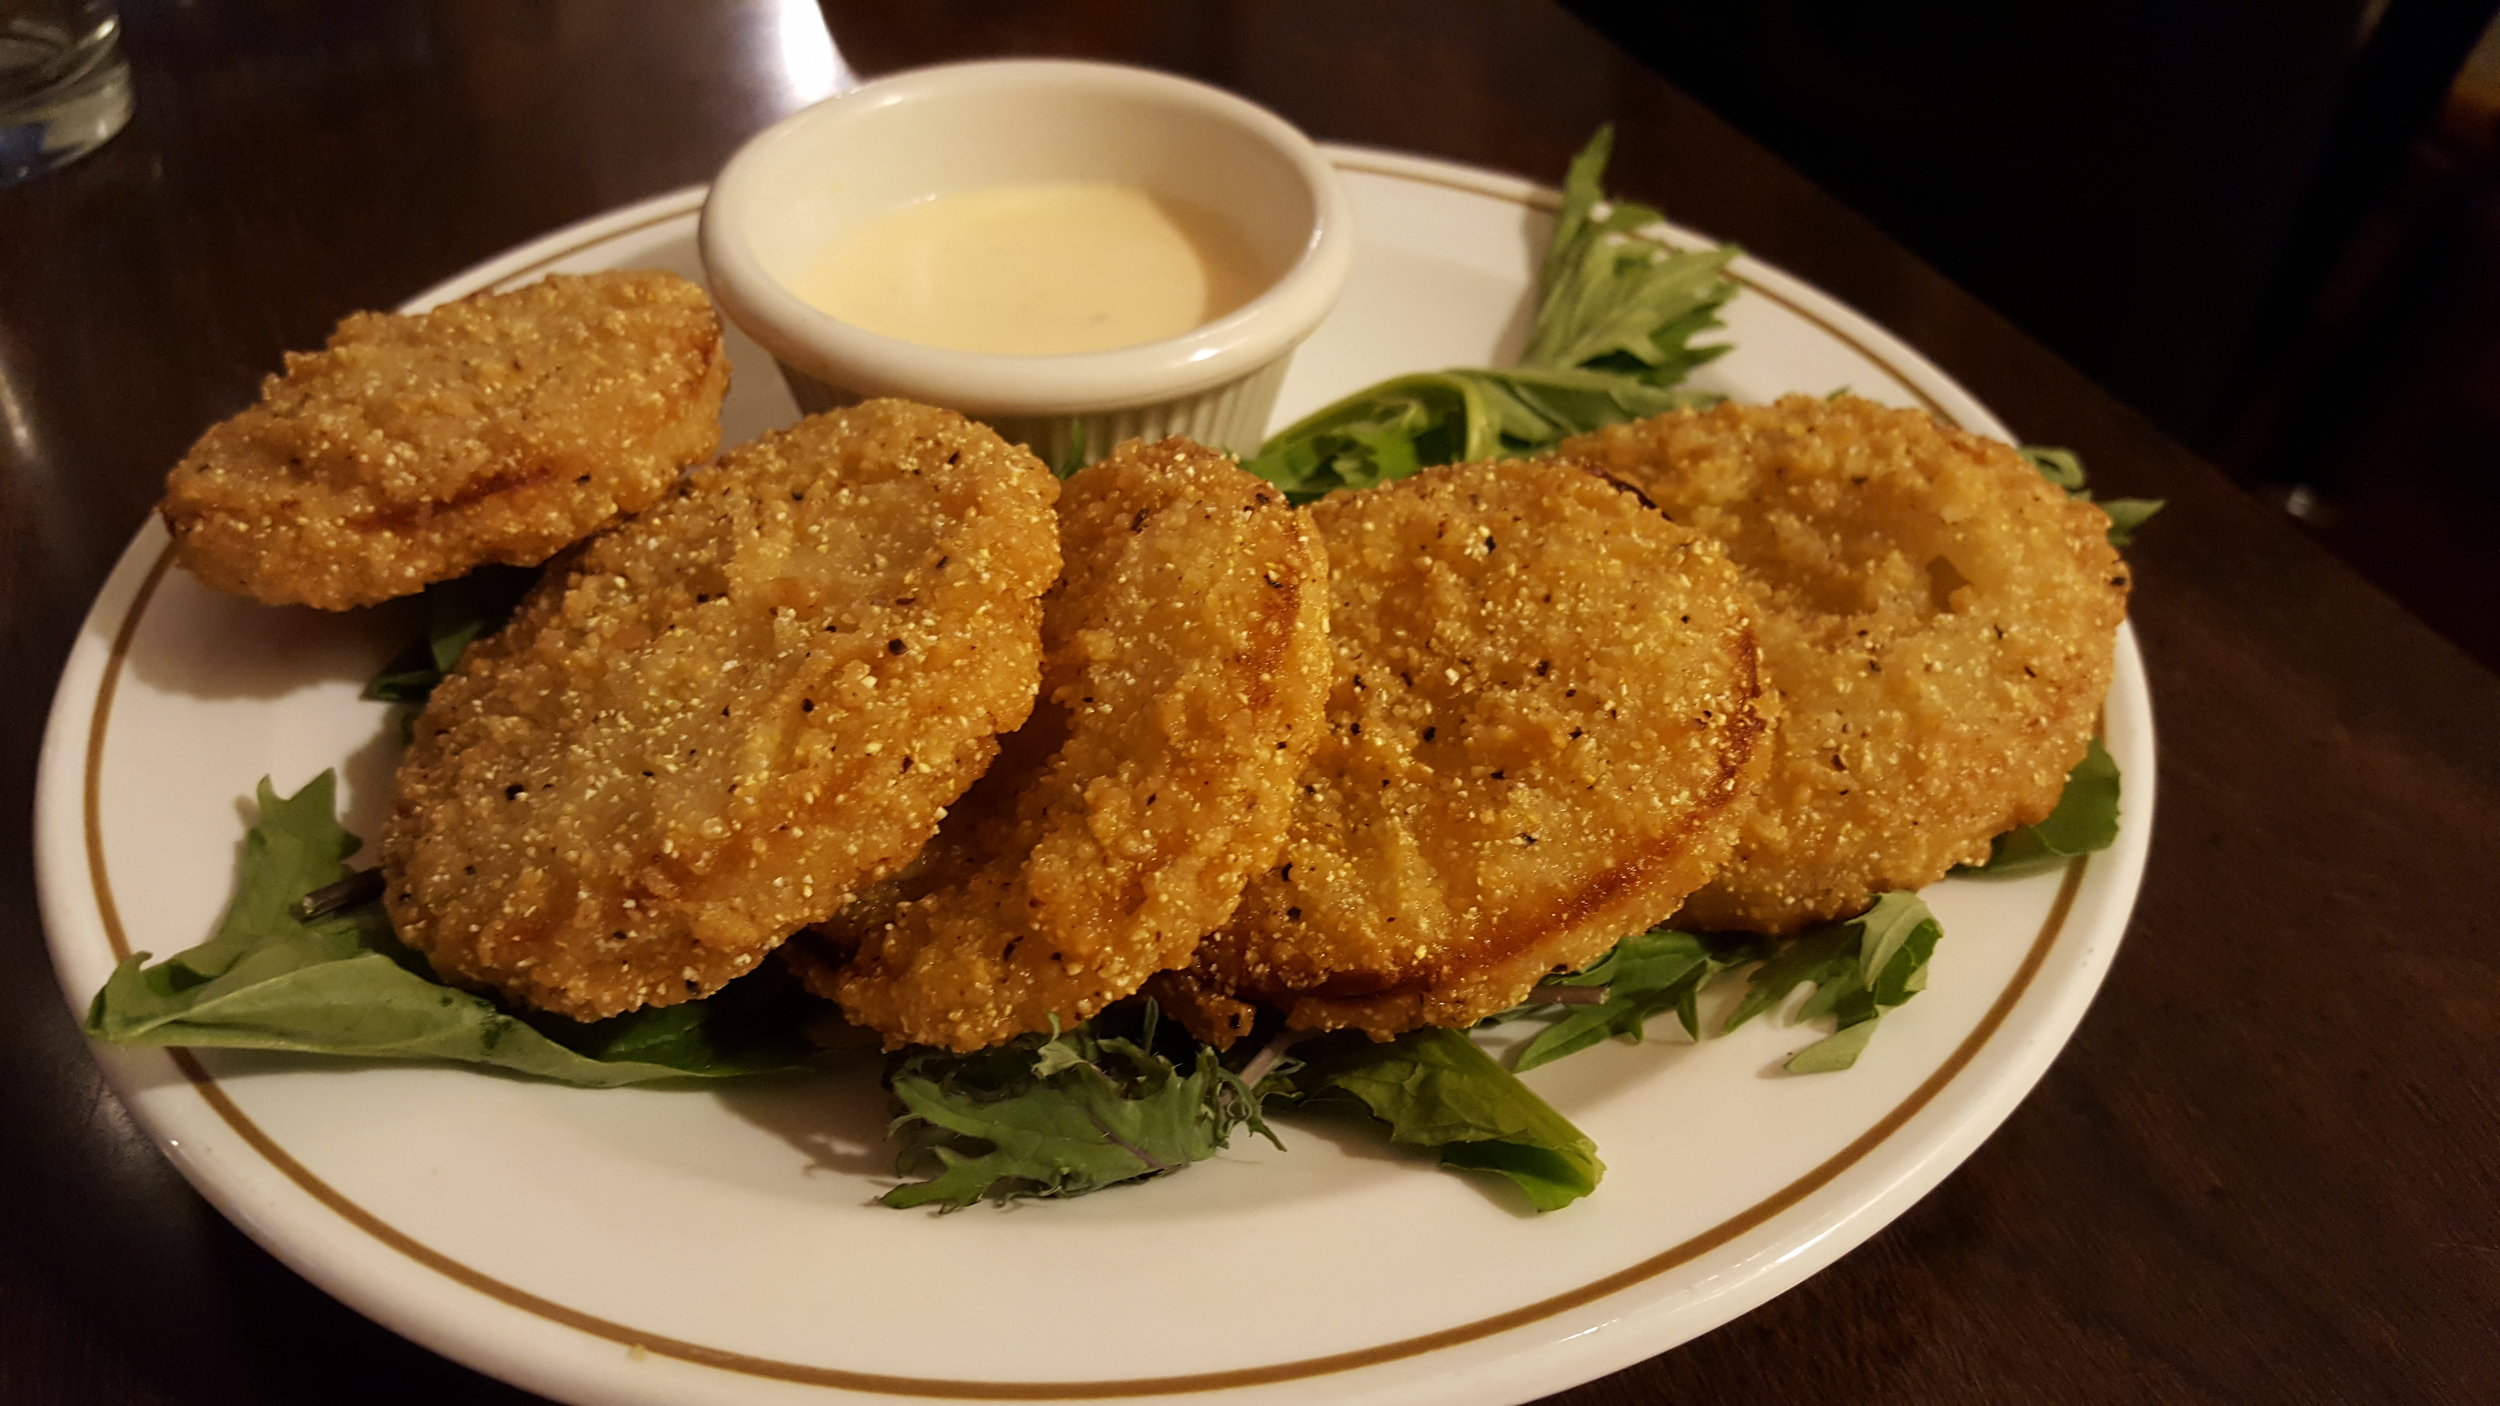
x: 642, y: 1245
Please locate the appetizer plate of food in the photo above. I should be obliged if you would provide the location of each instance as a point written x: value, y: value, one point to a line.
x: 740, y: 1241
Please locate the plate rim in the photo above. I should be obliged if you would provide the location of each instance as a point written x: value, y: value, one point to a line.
x: 71, y: 758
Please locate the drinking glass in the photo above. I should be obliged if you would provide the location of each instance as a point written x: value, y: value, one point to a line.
x: 64, y: 86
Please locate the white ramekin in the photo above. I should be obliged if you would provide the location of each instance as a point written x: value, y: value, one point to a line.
x: 800, y: 185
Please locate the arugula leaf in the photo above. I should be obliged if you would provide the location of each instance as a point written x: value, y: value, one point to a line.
x: 457, y: 612
x: 1616, y: 319
x: 1859, y: 969
x: 1834, y: 1052
x: 1059, y: 1115
x: 1391, y: 430
x: 1383, y: 432
x: 1609, y: 299
x: 1646, y: 974
x: 1435, y: 1088
x: 2128, y: 514
x: 1074, y: 459
x: 2061, y: 467
x: 2058, y: 466
x: 2086, y: 820
x: 342, y: 984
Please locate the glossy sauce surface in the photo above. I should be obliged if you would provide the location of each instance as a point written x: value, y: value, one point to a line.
x: 1037, y: 270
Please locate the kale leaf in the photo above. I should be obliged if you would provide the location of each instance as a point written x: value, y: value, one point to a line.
x: 1061, y: 1114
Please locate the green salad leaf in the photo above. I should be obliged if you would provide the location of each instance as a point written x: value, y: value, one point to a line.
x: 1611, y: 299
x: 1616, y: 317
x: 2061, y: 467
x: 2086, y: 820
x: 1074, y: 459
x: 1435, y: 1088
x: 342, y: 984
x: 1646, y: 974
x: 457, y: 612
x: 1060, y: 1115
x: 1859, y: 969
x: 2128, y: 514
x: 2058, y: 466
x: 1391, y: 430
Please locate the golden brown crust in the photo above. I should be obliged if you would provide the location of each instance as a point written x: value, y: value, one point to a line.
x: 1186, y: 663
x: 1937, y: 617
x: 1541, y: 729
x: 413, y: 448
x: 717, y: 723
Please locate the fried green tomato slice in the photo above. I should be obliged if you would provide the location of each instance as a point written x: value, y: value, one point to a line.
x: 1541, y: 731
x: 1186, y: 662
x: 415, y: 447
x: 718, y: 722
x: 1937, y: 618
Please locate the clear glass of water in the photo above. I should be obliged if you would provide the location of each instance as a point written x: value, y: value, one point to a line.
x: 64, y: 86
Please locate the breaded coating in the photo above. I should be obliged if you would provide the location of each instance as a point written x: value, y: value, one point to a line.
x: 715, y: 724
x: 1541, y: 731
x: 1937, y: 617
x: 412, y: 448
x: 1186, y: 663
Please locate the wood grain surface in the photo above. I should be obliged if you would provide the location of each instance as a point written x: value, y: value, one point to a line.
x: 2267, y: 1168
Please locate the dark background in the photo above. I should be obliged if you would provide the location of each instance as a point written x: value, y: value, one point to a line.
x: 2262, y: 1170
x: 2272, y: 226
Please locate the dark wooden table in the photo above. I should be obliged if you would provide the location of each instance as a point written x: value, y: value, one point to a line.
x: 2268, y: 1167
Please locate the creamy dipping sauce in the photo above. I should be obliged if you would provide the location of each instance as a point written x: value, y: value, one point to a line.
x: 1037, y: 270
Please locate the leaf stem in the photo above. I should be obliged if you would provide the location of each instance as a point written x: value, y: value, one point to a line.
x: 1266, y: 1059
x: 1132, y: 1149
x: 354, y: 891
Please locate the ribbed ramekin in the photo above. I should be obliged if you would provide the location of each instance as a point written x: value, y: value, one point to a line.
x: 798, y: 187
